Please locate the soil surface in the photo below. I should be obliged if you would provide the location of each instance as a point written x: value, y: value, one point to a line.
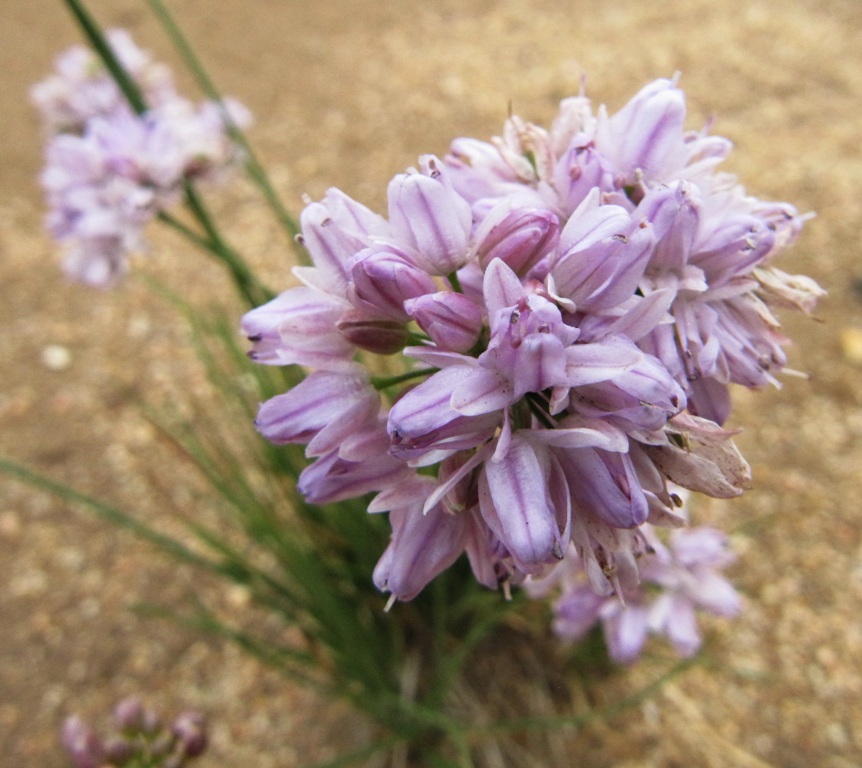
x: 346, y: 94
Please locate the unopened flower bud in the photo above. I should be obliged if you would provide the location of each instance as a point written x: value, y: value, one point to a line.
x: 431, y: 217
x: 376, y: 334
x: 118, y: 751
x: 83, y: 745
x: 519, y: 236
x: 190, y: 728
x: 451, y: 319
x: 383, y: 279
x: 129, y: 714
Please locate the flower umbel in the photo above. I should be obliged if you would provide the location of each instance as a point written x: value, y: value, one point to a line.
x: 569, y: 307
x: 139, y: 738
x: 676, y: 579
x: 109, y: 171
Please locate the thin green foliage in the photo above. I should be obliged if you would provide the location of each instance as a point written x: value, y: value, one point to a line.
x: 93, y: 32
x: 256, y: 171
x: 108, y: 513
x: 325, y: 558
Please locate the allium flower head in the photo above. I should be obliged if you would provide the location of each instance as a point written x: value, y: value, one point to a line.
x: 711, y: 259
x: 559, y: 314
x: 139, y: 737
x: 109, y: 171
x: 676, y: 579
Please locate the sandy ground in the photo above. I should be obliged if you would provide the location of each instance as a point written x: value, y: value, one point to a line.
x: 347, y: 94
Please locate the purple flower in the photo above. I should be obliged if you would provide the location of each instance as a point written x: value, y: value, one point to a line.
x: 109, y: 171
x: 430, y: 218
x: 323, y: 410
x: 570, y: 306
x: 701, y: 253
x: 139, y: 738
x: 644, y: 140
x: 81, y: 742
x: 423, y: 545
x: 676, y: 580
x: 360, y: 465
x: 708, y: 255
x: 299, y: 327
x: 81, y: 88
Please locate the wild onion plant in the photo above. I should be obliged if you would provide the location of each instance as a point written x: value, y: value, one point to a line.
x: 505, y: 387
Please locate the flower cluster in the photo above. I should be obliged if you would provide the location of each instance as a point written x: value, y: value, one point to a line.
x: 141, y: 739
x: 568, y: 307
x: 675, y: 580
x: 108, y: 170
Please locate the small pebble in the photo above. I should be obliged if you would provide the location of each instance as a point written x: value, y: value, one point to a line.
x: 851, y: 344
x: 10, y: 524
x: 56, y: 357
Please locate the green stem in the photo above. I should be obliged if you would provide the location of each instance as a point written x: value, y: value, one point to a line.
x: 184, y: 230
x: 94, y: 34
x: 246, y: 283
x: 252, y: 291
x: 380, y: 383
x: 253, y: 165
x: 455, y: 282
x: 417, y: 339
x: 539, y: 409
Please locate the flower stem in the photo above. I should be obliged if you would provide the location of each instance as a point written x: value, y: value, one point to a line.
x: 452, y: 277
x: 184, y: 230
x: 93, y: 33
x: 247, y: 284
x: 244, y: 279
x: 380, y: 383
x: 253, y: 166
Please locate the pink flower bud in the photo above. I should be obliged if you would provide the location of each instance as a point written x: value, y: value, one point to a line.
x: 190, y: 729
x: 129, y: 714
x: 430, y: 218
x: 82, y: 744
x: 376, y: 334
x: 519, y: 236
x: 384, y: 278
x: 451, y: 319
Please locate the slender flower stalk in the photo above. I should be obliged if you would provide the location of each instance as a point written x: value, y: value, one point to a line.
x: 235, y: 128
